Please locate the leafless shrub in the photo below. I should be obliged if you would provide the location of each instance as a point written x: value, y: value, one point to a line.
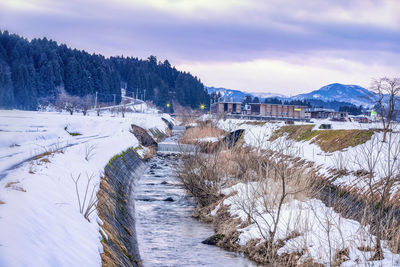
x: 200, y: 177
x: 49, y: 150
x: 270, y: 179
x: 86, y: 208
x: 381, y: 160
x: 85, y: 103
x: 123, y: 109
x: 340, y: 162
x: 89, y: 151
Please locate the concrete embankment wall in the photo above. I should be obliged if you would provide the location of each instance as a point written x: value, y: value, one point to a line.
x: 116, y: 208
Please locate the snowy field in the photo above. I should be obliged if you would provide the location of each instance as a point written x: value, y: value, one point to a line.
x: 40, y: 152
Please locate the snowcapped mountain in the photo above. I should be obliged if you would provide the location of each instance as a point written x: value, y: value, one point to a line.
x: 268, y: 95
x: 239, y: 95
x: 228, y: 93
x: 354, y: 94
x: 343, y: 94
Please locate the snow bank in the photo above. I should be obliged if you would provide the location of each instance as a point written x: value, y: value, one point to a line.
x: 321, y: 231
x: 258, y: 137
x: 40, y: 222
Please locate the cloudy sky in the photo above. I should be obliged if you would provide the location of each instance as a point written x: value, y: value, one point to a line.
x: 284, y: 46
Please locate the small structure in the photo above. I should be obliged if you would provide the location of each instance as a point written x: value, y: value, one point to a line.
x: 325, y: 126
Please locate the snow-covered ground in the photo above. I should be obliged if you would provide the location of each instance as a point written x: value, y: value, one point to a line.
x: 40, y: 222
x: 351, y: 158
x: 323, y: 231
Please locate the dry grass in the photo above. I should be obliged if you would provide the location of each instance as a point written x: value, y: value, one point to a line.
x: 14, y: 186
x: 191, y: 135
x: 256, y: 123
x: 45, y: 160
x: 44, y: 154
x: 327, y: 140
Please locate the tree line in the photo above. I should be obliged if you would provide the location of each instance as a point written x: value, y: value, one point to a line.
x: 38, y: 71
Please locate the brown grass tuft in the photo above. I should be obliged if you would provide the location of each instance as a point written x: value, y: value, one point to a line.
x: 14, y: 186
x: 41, y: 155
x: 45, y: 160
x: 191, y: 135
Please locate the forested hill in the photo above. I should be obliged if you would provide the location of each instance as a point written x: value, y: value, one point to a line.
x: 36, y: 71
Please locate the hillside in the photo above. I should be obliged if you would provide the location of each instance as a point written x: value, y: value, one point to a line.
x: 36, y: 71
x: 353, y: 94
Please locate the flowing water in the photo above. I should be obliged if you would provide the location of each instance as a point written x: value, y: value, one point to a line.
x: 167, y: 233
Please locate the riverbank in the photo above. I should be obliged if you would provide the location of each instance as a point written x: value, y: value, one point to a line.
x: 116, y: 209
x: 264, y: 202
x: 50, y: 161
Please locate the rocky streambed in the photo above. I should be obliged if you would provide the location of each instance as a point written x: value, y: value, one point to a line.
x: 167, y: 233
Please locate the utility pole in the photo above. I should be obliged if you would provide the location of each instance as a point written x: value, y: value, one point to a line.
x: 95, y: 101
x: 144, y: 97
x: 137, y: 93
x: 114, y: 98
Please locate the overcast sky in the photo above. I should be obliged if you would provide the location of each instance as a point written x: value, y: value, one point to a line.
x: 283, y: 46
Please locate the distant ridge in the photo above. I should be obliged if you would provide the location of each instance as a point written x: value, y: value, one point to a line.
x: 335, y: 94
x: 238, y: 95
x: 353, y: 94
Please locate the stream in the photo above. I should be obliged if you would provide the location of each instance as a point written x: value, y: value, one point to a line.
x: 167, y: 233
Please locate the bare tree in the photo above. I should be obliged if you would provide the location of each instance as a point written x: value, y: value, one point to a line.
x: 123, y: 110
x: 86, y: 103
x: 390, y: 169
x: 67, y: 102
x: 381, y: 163
x: 387, y: 91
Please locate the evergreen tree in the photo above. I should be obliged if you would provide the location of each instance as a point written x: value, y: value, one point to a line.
x: 34, y: 70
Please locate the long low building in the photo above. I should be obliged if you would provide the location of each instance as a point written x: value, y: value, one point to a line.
x: 268, y: 111
x: 324, y: 113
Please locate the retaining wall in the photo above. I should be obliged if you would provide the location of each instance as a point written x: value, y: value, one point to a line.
x: 116, y: 208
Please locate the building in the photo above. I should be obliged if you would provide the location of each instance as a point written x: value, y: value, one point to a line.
x: 325, y: 113
x: 226, y: 108
x: 259, y: 110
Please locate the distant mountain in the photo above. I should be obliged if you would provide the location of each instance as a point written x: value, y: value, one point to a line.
x: 269, y: 95
x: 331, y: 96
x: 353, y: 94
x: 236, y: 95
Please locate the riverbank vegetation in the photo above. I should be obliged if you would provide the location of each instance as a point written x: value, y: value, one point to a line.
x: 281, y: 209
x: 202, y: 132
